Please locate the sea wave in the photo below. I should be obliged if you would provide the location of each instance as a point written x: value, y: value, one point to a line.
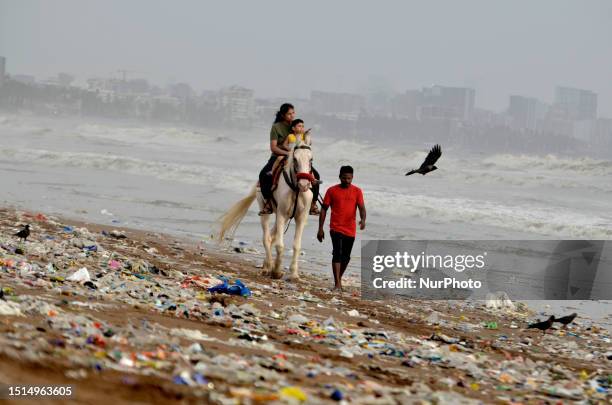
x: 229, y: 179
x: 368, y: 155
x: 527, y: 218
x: 510, y: 170
x: 23, y: 125
x: 144, y: 135
x: 584, y: 165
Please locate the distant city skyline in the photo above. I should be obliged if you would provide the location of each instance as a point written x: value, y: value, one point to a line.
x: 499, y: 49
x: 562, y: 94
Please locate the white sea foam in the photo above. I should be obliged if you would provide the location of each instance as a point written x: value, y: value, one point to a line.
x: 191, y: 174
x: 510, y: 170
x: 368, y: 156
x: 551, y: 162
x: 143, y: 135
x: 538, y: 220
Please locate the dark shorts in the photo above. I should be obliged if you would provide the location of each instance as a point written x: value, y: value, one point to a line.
x: 342, y: 246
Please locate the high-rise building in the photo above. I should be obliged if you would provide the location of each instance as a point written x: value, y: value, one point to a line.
x: 447, y: 102
x: 239, y: 104
x: 526, y: 112
x: 2, y: 69
x: 576, y: 104
x: 406, y: 105
x: 597, y: 131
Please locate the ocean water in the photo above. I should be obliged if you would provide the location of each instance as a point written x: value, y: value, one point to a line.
x: 179, y: 180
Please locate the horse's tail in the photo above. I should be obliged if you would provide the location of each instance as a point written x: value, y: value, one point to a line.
x: 231, y: 219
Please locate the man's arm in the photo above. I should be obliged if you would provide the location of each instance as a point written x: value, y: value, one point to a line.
x: 362, y: 215
x: 320, y: 233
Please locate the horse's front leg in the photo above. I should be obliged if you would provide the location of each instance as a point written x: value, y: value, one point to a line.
x: 300, y: 223
x: 267, y: 242
x: 279, y: 243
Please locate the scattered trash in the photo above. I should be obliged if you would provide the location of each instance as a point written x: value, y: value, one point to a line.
x: 499, y: 300
x: 117, y: 234
x: 337, y: 395
x: 491, y: 325
x: 237, y: 289
x: 298, y: 319
x: 353, y: 312
x: 80, y: 275
x: 189, y: 333
x: 433, y: 318
x: 443, y: 338
x: 294, y: 392
x: 9, y: 308
x: 189, y: 327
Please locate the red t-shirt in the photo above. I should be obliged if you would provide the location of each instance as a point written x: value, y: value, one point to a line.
x: 343, y: 203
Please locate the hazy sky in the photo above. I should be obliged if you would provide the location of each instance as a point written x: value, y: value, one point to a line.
x: 287, y: 48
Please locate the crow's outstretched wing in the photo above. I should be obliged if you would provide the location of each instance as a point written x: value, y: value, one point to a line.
x: 433, y: 156
x: 566, y: 319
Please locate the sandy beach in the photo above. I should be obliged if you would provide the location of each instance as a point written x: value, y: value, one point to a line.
x: 144, y: 328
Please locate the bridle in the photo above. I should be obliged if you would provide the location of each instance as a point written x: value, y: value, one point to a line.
x: 298, y: 175
x: 294, y: 171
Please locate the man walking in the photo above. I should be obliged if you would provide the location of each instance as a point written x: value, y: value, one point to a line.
x: 344, y: 199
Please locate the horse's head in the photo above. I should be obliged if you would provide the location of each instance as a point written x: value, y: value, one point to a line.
x: 302, y: 163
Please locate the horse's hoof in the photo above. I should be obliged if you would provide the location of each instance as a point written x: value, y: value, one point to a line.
x: 294, y: 278
x: 277, y: 275
x: 265, y: 272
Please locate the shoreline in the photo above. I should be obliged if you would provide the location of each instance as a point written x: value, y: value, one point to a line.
x: 149, y: 330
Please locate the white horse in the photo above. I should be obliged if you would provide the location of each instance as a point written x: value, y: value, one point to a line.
x: 292, y: 196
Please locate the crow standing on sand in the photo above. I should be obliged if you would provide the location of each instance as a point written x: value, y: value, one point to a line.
x: 543, y: 326
x: 428, y: 165
x: 24, y: 233
x: 566, y: 320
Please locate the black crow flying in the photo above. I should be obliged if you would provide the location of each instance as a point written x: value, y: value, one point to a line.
x: 24, y: 233
x: 543, y: 326
x: 566, y: 320
x: 428, y: 165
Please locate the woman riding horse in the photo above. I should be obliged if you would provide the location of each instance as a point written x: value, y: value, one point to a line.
x: 293, y: 197
x: 280, y: 130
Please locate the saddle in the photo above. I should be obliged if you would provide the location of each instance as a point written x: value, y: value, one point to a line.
x: 277, y: 169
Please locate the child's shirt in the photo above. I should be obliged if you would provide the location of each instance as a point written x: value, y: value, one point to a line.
x: 292, y: 139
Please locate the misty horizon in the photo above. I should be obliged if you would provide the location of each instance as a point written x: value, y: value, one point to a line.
x: 498, y: 50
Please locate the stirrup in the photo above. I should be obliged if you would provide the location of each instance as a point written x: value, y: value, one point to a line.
x: 266, y: 210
